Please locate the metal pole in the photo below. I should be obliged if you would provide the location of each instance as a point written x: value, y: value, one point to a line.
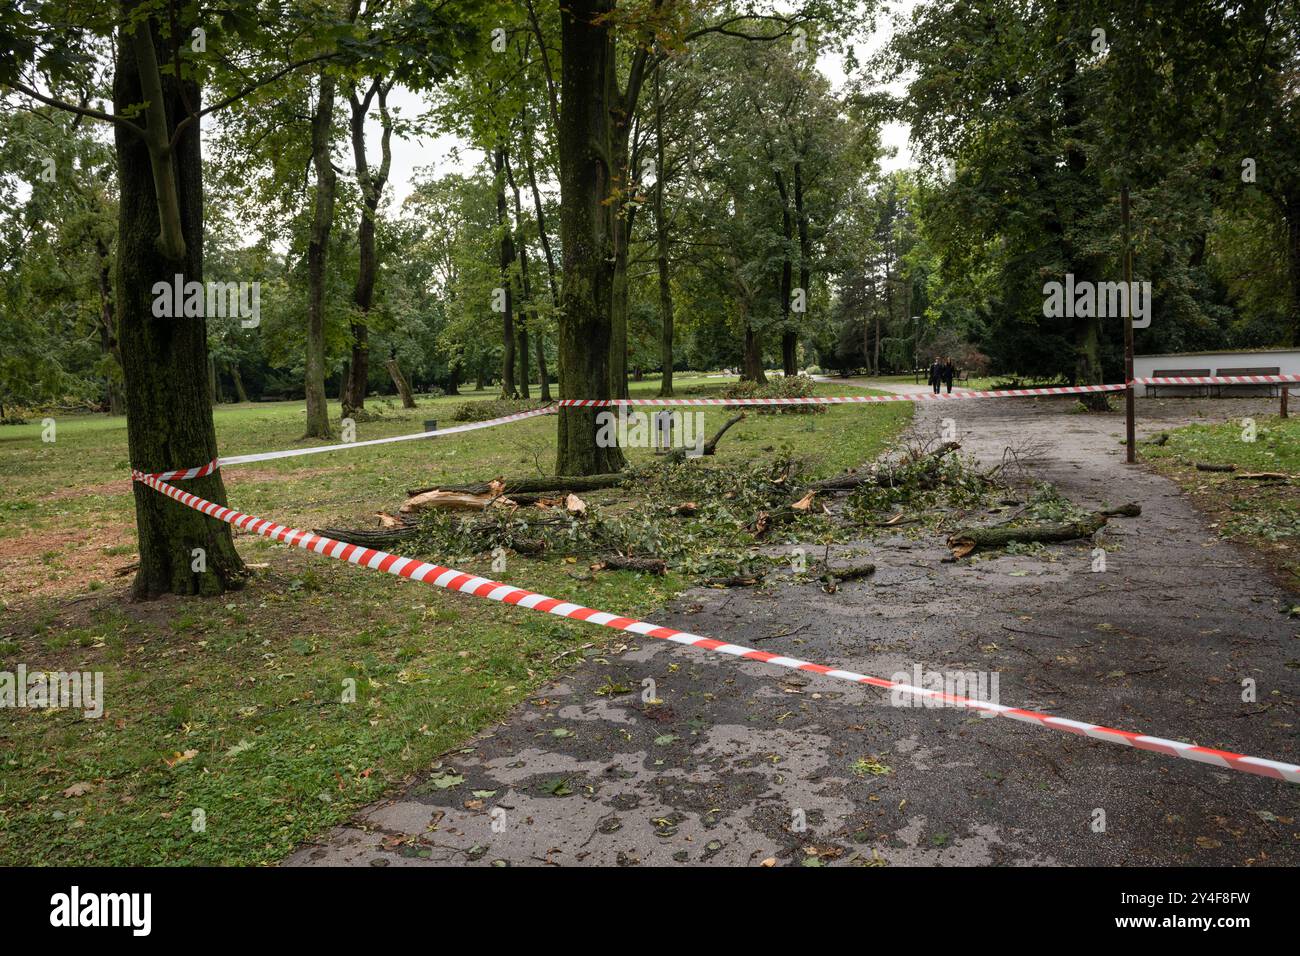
x: 1130, y: 425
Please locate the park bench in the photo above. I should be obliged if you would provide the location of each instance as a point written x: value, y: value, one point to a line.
x: 1272, y: 389
x: 1180, y: 373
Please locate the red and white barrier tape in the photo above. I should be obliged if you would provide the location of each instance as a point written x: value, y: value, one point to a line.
x: 454, y: 580
x: 1219, y: 380
x: 213, y: 465
x: 201, y: 470
x: 843, y: 399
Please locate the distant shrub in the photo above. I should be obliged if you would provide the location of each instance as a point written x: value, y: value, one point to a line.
x: 796, y: 386
x: 481, y: 411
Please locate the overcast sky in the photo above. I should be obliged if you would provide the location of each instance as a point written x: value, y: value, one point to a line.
x: 449, y: 154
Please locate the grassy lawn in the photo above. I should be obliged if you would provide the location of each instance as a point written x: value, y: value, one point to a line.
x: 980, y: 383
x: 1264, y: 515
x: 228, y: 712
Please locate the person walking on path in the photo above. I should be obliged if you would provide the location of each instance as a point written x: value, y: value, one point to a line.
x: 936, y: 375
x: 948, y: 372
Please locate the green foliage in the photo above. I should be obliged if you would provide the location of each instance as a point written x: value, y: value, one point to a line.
x: 483, y: 410
x: 778, y: 386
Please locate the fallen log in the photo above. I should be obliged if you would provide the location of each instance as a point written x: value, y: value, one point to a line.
x: 1209, y: 466
x: 1131, y: 510
x: 554, y: 485
x: 1263, y: 476
x: 735, y: 581
x: 383, y: 538
x: 967, y: 540
x: 832, y: 577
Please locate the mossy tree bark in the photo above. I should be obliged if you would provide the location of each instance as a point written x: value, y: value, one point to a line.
x: 322, y: 127
x: 661, y: 249
x: 372, y: 181
x: 587, y: 232
x: 165, y: 360
x: 506, y: 258
x: 107, y: 328
x: 790, y: 338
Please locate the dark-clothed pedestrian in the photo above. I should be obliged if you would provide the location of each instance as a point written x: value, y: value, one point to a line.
x: 936, y: 375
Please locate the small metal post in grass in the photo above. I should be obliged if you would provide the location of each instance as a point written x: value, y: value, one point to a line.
x: 1285, y: 392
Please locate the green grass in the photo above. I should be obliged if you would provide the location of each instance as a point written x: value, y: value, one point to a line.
x: 233, y: 706
x: 1264, y: 515
x: 980, y: 383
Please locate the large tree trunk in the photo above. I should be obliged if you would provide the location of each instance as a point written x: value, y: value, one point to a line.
x: 107, y: 328
x: 787, y: 276
x: 507, y: 256
x: 240, y: 394
x: 525, y: 287
x: 623, y: 216
x: 752, y: 370
x: 661, y: 250
x: 164, y: 360
x: 399, y: 380
x: 318, y: 421
x: 587, y: 233
x: 523, y: 356
x: 1292, y: 214
x: 790, y: 340
x: 542, y: 373
x: 372, y: 182
x: 539, y: 339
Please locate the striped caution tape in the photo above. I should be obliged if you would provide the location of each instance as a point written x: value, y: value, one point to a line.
x: 843, y: 399
x: 216, y: 463
x: 453, y: 580
x: 1219, y: 380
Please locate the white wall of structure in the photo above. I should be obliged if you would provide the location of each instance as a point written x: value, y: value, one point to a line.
x: 1286, y: 361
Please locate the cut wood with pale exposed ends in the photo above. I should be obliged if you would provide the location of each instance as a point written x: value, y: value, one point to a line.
x: 438, y: 500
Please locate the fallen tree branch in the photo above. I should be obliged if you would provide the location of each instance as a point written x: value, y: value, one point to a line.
x: 964, y: 541
x: 382, y: 538
x: 710, y: 446
x: 1208, y: 466
x: 832, y: 577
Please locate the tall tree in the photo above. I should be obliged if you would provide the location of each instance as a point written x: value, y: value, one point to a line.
x: 371, y: 182
x: 322, y: 222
